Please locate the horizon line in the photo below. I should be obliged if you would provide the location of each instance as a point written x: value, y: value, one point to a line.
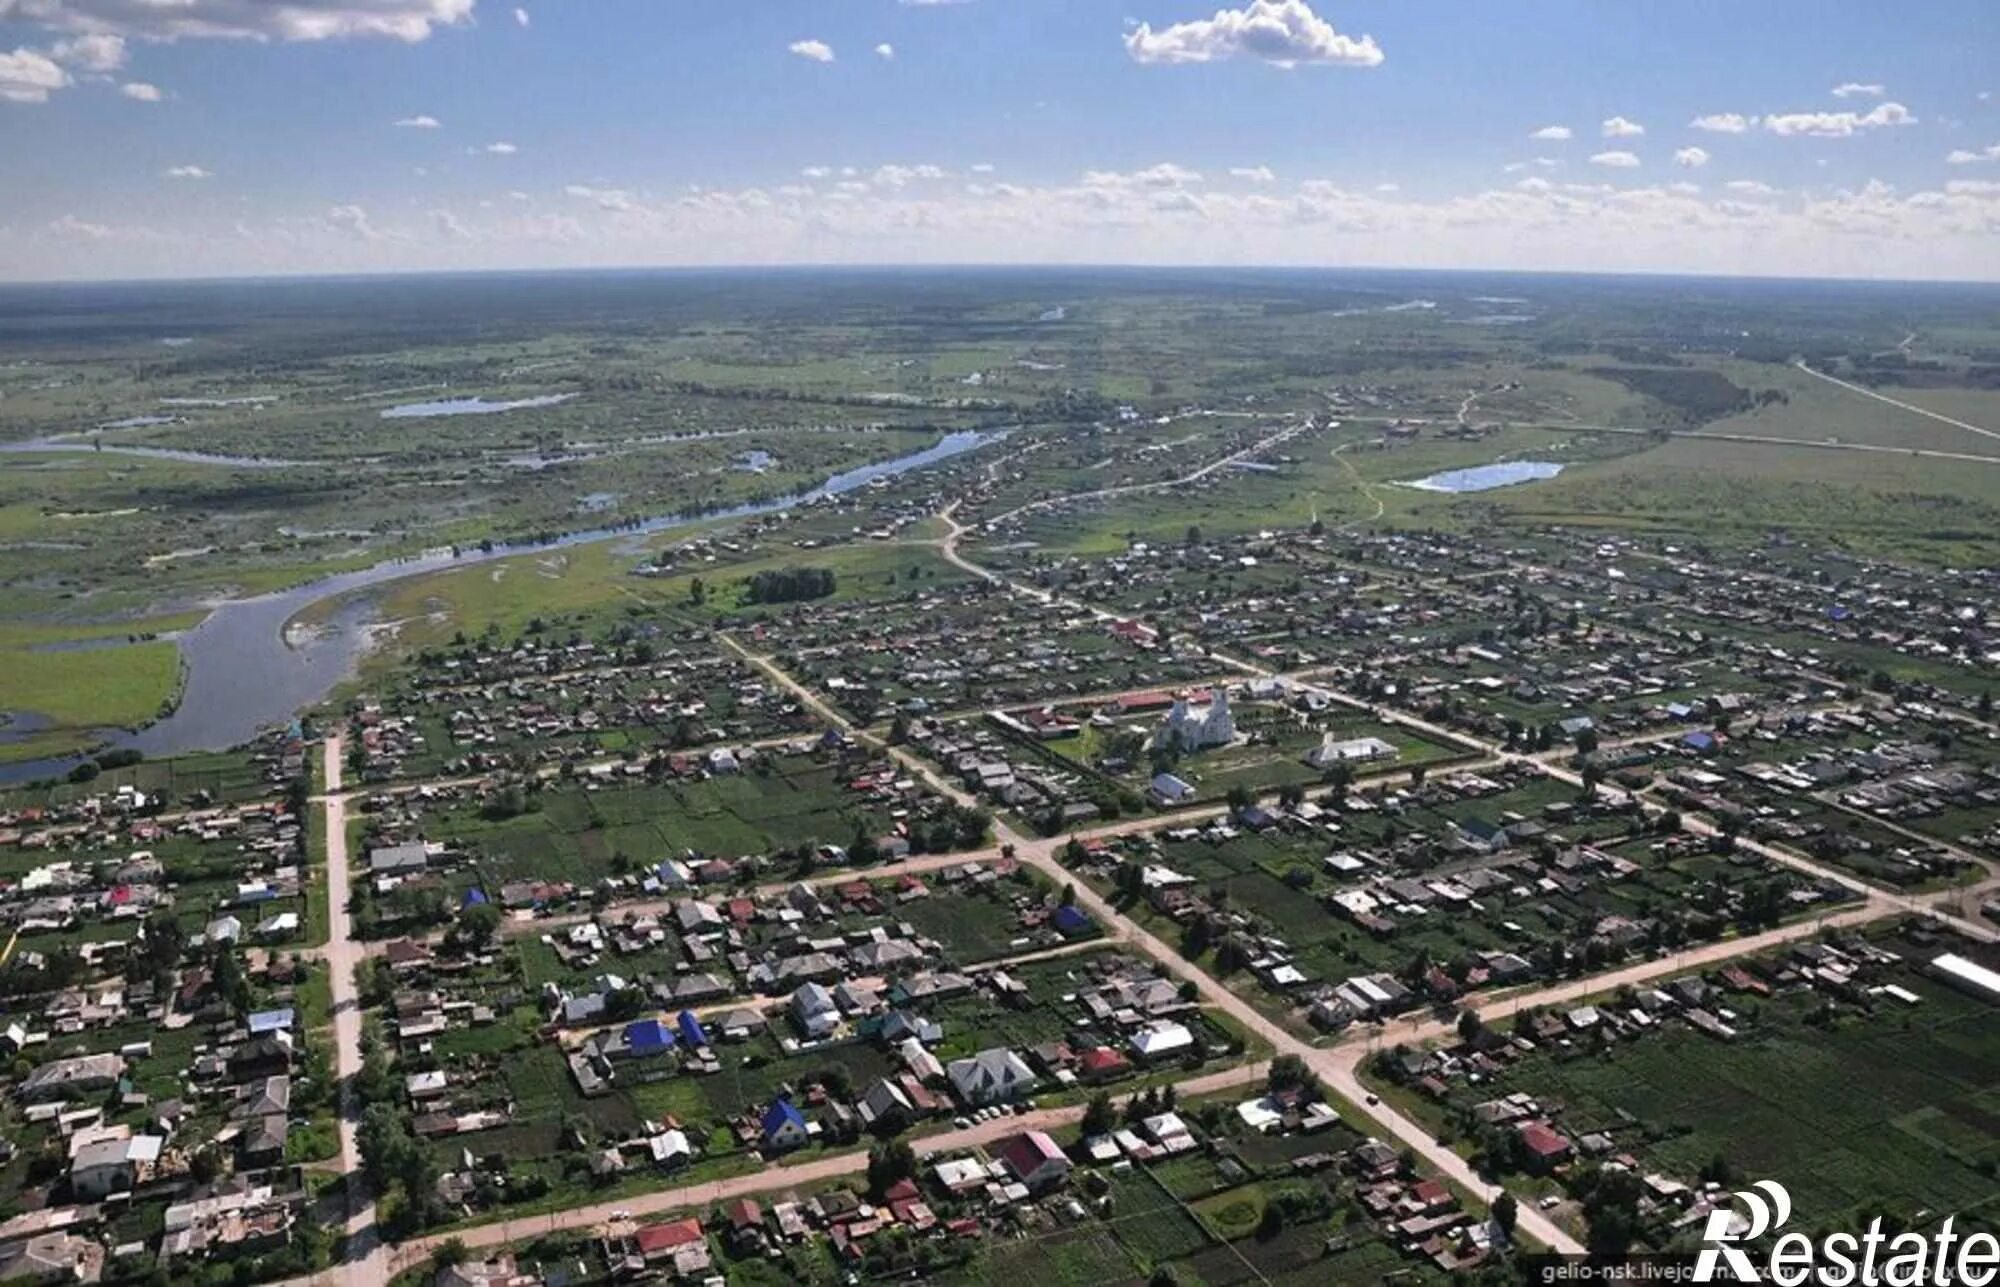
x: 993, y: 266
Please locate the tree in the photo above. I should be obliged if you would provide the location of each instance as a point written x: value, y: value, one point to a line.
x: 1470, y: 1026
x: 1068, y: 896
x: 888, y: 1162
x: 1287, y: 1072
x: 1098, y: 1116
x: 229, y: 981
x: 384, y: 1140
x: 478, y: 924
x: 1505, y: 1212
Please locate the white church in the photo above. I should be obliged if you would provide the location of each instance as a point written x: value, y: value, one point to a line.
x: 1196, y: 728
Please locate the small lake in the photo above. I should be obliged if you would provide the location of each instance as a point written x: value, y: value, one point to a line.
x: 244, y: 675
x: 1484, y: 478
x: 469, y: 406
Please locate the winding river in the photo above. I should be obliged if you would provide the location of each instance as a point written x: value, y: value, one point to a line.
x: 243, y: 675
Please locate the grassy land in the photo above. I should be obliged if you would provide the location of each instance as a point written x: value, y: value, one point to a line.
x: 77, y: 691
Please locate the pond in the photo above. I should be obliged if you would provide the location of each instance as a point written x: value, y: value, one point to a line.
x: 1484, y: 478
x: 469, y: 406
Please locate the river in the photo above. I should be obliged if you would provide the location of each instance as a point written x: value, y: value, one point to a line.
x: 244, y: 676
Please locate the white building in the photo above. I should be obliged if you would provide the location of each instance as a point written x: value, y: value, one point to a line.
x: 1196, y: 728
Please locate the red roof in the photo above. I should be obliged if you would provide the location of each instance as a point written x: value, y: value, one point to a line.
x: 1025, y: 1153
x: 1102, y: 1059
x: 744, y: 1213
x: 665, y: 1237
x: 1543, y: 1141
x: 1144, y: 701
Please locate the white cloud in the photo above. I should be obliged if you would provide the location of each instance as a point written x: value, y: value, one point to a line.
x: 409, y: 20
x: 1254, y: 173
x: 1553, y: 133
x: 141, y: 92
x: 1388, y: 187
x: 896, y: 176
x: 1616, y: 160
x: 521, y: 18
x: 97, y: 51
x: 1751, y: 187
x: 815, y: 50
x: 189, y: 172
x: 1973, y: 187
x: 1532, y: 163
x: 1855, y: 89
x: 1692, y: 158
x: 1870, y: 231
x: 983, y: 167
x: 613, y: 199
x: 501, y: 149
x: 449, y: 227
x: 28, y: 77
x: 1724, y: 123
x: 1617, y: 127
x: 353, y: 221
x: 1164, y: 175
x: 886, y: 51
x: 1284, y: 33
x: 817, y: 171
x: 419, y: 122
x: 71, y: 226
x: 1838, y: 125
x: 1963, y: 156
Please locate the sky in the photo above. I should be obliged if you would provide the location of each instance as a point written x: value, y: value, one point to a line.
x: 141, y: 138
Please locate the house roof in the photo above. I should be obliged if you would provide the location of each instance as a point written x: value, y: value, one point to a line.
x: 648, y: 1035
x: 1027, y: 1152
x: 778, y: 1115
x: 656, y: 1238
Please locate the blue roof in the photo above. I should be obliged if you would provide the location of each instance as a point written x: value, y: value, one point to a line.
x: 691, y: 1030
x: 648, y: 1035
x: 1168, y: 784
x: 473, y: 897
x: 1070, y: 919
x: 778, y: 1114
x: 1699, y: 741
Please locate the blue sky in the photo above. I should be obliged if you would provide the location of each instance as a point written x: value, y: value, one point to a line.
x: 244, y: 136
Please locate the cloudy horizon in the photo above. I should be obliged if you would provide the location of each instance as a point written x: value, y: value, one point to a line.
x: 223, y: 138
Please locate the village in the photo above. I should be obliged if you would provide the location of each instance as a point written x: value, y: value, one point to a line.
x: 1244, y: 907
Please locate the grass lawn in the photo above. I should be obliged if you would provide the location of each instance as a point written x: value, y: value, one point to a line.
x: 74, y: 691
